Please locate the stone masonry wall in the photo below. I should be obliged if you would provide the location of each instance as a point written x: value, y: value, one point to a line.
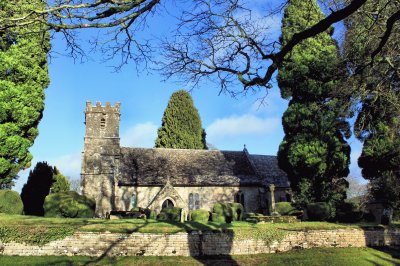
x: 195, y: 244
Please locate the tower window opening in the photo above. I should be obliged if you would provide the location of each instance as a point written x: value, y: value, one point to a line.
x: 103, y: 123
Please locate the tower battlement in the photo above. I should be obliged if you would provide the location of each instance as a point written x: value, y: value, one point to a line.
x: 98, y: 108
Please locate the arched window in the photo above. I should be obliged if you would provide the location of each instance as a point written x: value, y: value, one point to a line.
x: 191, y: 203
x: 194, y: 201
x: 239, y: 198
x: 133, y: 201
x: 167, y: 204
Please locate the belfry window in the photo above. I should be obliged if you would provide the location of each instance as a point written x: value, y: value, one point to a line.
x: 102, y: 123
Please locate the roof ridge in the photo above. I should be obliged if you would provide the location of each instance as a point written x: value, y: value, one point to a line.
x: 196, y: 150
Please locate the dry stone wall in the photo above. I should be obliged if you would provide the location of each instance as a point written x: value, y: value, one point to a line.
x: 197, y: 243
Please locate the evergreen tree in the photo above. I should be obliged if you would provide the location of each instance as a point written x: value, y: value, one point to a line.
x: 313, y: 152
x: 60, y: 182
x: 23, y: 77
x: 181, y: 125
x: 376, y: 84
x: 37, y: 188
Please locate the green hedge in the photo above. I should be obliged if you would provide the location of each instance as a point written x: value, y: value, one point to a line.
x: 150, y: 214
x: 10, y: 202
x: 223, y: 210
x: 237, y: 211
x: 170, y: 214
x: 217, y: 218
x: 69, y: 205
x: 199, y: 216
x: 349, y: 212
x: 319, y: 211
x: 231, y: 211
x: 284, y: 208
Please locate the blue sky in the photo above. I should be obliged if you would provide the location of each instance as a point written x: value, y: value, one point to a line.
x: 230, y: 123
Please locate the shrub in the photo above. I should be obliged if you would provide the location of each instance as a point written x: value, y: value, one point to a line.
x: 369, y: 217
x: 231, y: 211
x: 284, y: 208
x: 170, y: 214
x: 136, y: 209
x: 69, y: 205
x: 348, y: 213
x: 60, y: 182
x: 150, y: 214
x: 237, y: 211
x: 219, y: 208
x: 199, y: 216
x: 10, y: 202
x: 217, y: 218
x: 251, y: 217
x: 319, y: 211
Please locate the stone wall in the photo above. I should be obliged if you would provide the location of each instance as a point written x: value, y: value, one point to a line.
x: 195, y: 244
x: 209, y: 195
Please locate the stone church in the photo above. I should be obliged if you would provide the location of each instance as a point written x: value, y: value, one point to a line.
x: 120, y: 178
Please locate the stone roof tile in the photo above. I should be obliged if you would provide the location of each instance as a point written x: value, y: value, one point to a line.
x: 146, y: 167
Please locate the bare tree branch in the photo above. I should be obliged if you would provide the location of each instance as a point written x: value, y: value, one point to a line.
x: 216, y: 39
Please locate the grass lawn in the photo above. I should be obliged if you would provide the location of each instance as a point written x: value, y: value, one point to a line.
x: 318, y: 256
x: 41, y: 230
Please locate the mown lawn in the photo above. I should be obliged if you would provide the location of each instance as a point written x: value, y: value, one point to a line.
x: 317, y: 256
x: 40, y: 230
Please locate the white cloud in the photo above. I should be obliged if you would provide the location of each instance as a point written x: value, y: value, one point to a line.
x: 247, y: 124
x: 140, y: 135
x: 69, y: 165
x: 271, y: 105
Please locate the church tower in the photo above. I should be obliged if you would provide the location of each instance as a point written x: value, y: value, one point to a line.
x: 100, y: 156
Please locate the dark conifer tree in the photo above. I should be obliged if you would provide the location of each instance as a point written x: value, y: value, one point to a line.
x: 37, y: 188
x: 376, y: 85
x: 23, y: 78
x: 181, y: 125
x: 313, y: 152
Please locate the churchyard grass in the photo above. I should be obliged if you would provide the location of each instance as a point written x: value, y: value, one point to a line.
x: 309, y: 257
x: 41, y: 230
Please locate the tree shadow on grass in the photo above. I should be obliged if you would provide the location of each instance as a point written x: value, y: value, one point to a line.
x: 105, y: 256
x: 202, y: 239
x: 393, y: 251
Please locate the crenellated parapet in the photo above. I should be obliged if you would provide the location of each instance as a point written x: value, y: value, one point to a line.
x: 99, y: 108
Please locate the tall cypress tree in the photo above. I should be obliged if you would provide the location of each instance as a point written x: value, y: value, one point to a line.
x: 313, y: 152
x: 37, y: 188
x: 181, y: 125
x: 23, y: 77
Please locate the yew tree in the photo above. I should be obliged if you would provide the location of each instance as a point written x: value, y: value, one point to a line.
x: 23, y: 78
x: 36, y: 189
x: 375, y: 85
x: 181, y: 125
x: 314, y: 152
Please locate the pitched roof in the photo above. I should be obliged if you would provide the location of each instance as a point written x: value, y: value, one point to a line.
x: 267, y: 167
x: 186, y: 167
